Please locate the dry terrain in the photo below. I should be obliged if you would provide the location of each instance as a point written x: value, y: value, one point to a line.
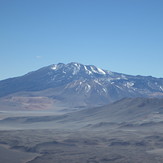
x: 87, y: 136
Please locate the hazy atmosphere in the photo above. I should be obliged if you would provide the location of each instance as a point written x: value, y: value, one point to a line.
x: 119, y: 35
x: 81, y: 81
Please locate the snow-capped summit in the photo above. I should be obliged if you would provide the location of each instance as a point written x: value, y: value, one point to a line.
x: 79, y: 85
x: 76, y: 68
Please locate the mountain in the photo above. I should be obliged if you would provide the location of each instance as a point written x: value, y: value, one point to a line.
x: 74, y: 85
x: 127, y: 110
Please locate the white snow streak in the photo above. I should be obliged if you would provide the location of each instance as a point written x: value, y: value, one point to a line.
x: 161, y: 88
x: 101, y: 71
x: 104, y: 89
x: 87, y: 88
x: 92, y: 68
x: 96, y: 81
x: 88, y: 71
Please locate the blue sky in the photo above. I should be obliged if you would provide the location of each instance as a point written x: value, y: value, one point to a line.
x: 118, y: 35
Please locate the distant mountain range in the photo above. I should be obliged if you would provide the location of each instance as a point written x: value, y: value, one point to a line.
x: 74, y: 85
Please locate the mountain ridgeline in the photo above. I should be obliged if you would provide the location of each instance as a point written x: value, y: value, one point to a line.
x: 74, y: 85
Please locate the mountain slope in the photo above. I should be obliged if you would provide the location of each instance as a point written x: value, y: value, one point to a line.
x: 138, y: 110
x: 75, y: 85
x: 128, y: 111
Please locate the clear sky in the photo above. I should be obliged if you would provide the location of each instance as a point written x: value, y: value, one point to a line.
x: 118, y: 35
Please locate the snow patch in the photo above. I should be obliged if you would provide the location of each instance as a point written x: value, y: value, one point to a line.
x: 96, y: 81
x: 161, y: 88
x: 129, y: 84
x: 104, y: 89
x: 87, y: 88
x: 101, y: 71
x: 92, y: 68
x: 75, y: 71
x: 77, y: 65
x: 87, y: 71
x: 76, y: 68
x: 54, y: 67
x: 97, y: 70
x: 118, y: 87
